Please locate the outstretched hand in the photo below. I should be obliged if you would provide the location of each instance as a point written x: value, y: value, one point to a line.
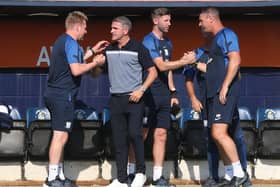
x: 99, y: 59
x: 188, y: 58
x: 100, y: 46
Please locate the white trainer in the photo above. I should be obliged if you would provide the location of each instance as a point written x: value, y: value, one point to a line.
x: 116, y: 183
x: 139, y: 180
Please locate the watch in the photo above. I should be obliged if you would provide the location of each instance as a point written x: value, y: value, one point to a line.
x: 142, y: 88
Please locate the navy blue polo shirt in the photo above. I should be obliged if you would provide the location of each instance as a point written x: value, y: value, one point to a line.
x: 61, y: 83
x: 202, y: 55
x: 225, y: 41
x: 159, y: 48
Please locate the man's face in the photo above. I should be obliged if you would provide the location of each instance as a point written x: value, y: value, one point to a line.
x: 118, y: 31
x: 82, y: 30
x: 204, y: 23
x: 163, y: 23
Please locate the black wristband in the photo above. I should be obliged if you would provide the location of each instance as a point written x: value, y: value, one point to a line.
x: 174, y: 94
x: 92, y: 51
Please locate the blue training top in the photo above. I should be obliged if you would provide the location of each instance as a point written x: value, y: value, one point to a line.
x: 61, y: 83
x: 190, y: 72
x: 159, y: 48
x: 225, y: 41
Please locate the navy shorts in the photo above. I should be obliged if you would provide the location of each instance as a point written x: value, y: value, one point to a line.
x: 62, y: 114
x: 219, y: 113
x: 158, y: 111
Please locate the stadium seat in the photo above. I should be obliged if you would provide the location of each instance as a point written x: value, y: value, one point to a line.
x: 107, y: 140
x: 172, y: 143
x: 194, y: 142
x: 85, y: 138
x: 13, y: 139
x: 268, y: 121
x: 250, y: 132
x: 39, y: 132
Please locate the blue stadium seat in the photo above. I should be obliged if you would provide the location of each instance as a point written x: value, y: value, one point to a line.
x: 13, y: 140
x: 85, y: 140
x: 250, y: 132
x: 194, y: 142
x: 39, y: 132
x: 244, y: 113
x: 268, y: 121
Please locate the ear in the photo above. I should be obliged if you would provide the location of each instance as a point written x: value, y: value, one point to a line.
x: 78, y: 28
x: 155, y: 20
x: 125, y: 30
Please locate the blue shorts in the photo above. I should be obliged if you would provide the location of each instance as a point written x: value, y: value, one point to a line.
x: 62, y: 114
x: 219, y: 113
x: 158, y: 111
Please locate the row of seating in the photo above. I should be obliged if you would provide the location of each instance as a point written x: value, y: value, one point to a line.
x: 91, y: 137
x: 260, y: 135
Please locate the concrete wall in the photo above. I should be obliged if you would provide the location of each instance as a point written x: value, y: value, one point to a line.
x: 92, y: 170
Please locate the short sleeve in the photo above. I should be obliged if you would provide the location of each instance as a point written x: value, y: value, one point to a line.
x: 145, y: 57
x: 150, y: 44
x: 73, y: 51
x: 228, y: 41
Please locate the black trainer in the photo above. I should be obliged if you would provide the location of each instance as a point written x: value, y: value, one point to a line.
x: 68, y: 183
x: 162, y: 182
x: 130, y: 178
x: 54, y: 183
x: 238, y: 181
x: 221, y: 183
x: 248, y: 183
x: 209, y: 182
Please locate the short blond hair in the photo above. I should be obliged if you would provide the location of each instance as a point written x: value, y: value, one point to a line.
x: 74, y: 18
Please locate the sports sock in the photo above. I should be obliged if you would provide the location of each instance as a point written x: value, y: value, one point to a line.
x: 60, y: 171
x: 130, y: 168
x: 237, y: 169
x: 157, y: 172
x: 228, y: 172
x: 53, y: 172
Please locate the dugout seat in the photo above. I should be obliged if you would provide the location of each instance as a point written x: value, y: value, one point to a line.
x: 250, y: 132
x: 85, y: 138
x: 194, y: 137
x: 39, y: 132
x: 268, y: 122
x: 13, y: 139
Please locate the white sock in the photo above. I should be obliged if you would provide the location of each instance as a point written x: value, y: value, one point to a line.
x: 157, y: 172
x: 228, y: 172
x: 130, y: 168
x: 237, y: 169
x: 53, y: 172
x: 60, y: 171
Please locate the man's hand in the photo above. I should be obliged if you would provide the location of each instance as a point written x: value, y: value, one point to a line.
x: 135, y: 96
x: 188, y: 58
x: 99, y: 59
x: 196, y: 105
x: 174, y: 100
x: 223, y: 95
x: 100, y: 46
